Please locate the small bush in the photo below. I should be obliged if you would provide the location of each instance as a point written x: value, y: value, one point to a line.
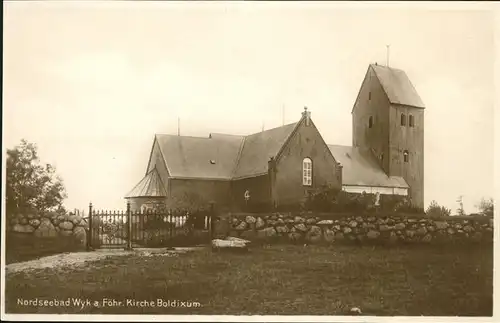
x: 436, y: 210
x: 328, y: 199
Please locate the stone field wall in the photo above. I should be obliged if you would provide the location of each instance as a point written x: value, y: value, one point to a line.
x: 310, y: 228
x: 49, y: 225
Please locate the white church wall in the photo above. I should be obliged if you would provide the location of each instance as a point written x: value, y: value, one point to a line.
x: 375, y: 189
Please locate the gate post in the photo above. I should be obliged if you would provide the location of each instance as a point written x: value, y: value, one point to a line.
x: 89, y: 236
x: 129, y: 227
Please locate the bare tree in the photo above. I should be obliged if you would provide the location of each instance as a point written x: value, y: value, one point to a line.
x: 486, y: 206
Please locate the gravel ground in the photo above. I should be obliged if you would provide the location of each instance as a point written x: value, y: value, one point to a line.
x: 75, y: 259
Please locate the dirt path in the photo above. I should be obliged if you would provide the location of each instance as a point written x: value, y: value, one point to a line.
x: 75, y: 259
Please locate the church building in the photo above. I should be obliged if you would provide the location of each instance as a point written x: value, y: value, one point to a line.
x: 280, y: 166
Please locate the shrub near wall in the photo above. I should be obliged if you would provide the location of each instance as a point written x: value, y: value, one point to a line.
x: 312, y: 228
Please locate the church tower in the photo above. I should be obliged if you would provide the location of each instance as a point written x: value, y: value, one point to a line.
x: 388, y: 119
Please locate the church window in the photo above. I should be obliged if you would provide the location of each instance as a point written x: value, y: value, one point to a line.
x: 369, y: 95
x: 412, y: 121
x: 370, y: 122
x: 406, y: 156
x: 403, y: 119
x: 307, y: 172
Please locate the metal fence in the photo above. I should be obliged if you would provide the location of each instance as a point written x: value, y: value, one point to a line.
x: 153, y: 228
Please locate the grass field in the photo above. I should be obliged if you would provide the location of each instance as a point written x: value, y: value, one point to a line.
x: 280, y: 280
x: 23, y: 247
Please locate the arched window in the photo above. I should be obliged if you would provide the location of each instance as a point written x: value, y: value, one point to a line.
x: 411, y: 121
x: 307, y: 172
x: 403, y: 119
x: 370, y: 122
x: 406, y: 156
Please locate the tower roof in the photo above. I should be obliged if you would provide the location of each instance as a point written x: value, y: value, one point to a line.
x: 150, y: 186
x: 397, y: 86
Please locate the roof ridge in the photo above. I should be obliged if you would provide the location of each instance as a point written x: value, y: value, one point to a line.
x: 183, y: 136
x: 275, y: 128
x: 226, y: 134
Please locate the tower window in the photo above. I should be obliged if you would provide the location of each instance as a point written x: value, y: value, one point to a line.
x: 406, y: 156
x: 307, y: 172
x: 370, y: 122
x: 411, y: 121
x: 369, y: 95
x: 403, y: 119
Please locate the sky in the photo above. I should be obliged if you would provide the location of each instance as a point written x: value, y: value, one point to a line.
x: 91, y: 83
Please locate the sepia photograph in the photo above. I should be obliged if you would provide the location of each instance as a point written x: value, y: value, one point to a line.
x: 248, y: 161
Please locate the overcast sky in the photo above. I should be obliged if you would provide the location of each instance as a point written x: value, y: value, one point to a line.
x: 91, y: 83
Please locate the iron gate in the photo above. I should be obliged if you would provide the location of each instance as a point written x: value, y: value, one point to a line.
x: 128, y: 229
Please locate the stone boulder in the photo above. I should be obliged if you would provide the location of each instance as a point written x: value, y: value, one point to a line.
x: 34, y: 222
x: 441, y: 225
x: 314, y: 234
x: 26, y: 228
x: 368, y: 225
x: 311, y: 221
x: 294, y: 236
x: 80, y: 235
x: 83, y: 224
x: 230, y: 243
x: 372, y: 234
x: 329, y: 235
x: 468, y: 228
x: 66, y: 225
x: 384, y: 227
x: 66, y: 233
x: 259, y: 223
x: 250, y: 219
x: 280, y: 221
x: 75, y: 219
x: 399, y: 226
x: 427, y: 238
x: 242, y: 226
x: 299, y: 219
x: 282, y: 229
x: 422, y: 231
x: 301, y: 227
x: 46, y: 229
x: 266, y: 233
x: 325, y: 222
